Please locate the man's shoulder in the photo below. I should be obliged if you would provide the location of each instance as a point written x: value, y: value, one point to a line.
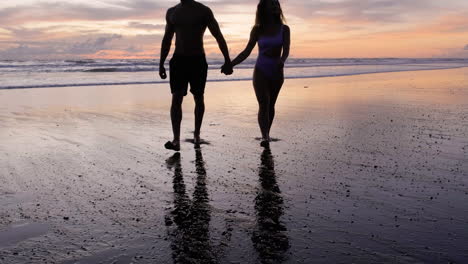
x: 171, y: 9
x: 197, y: 5
x: 203, y: 7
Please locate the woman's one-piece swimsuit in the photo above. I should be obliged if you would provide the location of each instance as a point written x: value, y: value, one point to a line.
x: 268, y: 65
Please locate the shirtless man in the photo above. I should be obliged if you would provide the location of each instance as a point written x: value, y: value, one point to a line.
x: 188, y: 21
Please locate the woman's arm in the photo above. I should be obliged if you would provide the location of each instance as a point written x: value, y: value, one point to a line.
x: 245, y: 54
x: 286, y: 44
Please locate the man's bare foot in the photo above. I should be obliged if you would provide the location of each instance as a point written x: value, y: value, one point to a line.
x: 173, y: 145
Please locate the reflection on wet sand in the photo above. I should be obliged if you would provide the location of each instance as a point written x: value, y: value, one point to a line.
x: 269, y: 238
x: 190, y: 235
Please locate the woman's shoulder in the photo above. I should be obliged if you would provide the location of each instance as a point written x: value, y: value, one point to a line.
x: 286, y: 28
x: 255, y: 30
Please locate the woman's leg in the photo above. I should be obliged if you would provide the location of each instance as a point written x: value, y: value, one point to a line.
x: 274, y: 92
x: 261, y: 85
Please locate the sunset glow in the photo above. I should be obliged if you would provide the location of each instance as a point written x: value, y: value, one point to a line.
x: 33, y: 29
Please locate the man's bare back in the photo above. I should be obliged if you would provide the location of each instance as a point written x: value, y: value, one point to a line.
x: 190, y: 21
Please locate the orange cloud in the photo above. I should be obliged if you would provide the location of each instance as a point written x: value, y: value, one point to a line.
x: 428, y: 40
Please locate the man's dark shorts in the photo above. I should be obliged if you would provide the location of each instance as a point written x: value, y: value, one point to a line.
x: 185, y: 70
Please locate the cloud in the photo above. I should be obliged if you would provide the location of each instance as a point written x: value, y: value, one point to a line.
x: 60, y: 28
x: 65, y: 11
x: 364, y: 11
x: 57, y: 49
x: 91, y: 46
x: 148, y: 27
x: 354, y: 11
x: 466, y: 47
x: 24, y: 33
x: 133, y: 49
x: 23, y: 51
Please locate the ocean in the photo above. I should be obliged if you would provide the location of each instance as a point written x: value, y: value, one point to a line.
x: 68, y: 73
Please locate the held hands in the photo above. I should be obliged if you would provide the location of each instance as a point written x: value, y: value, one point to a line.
x: 162, y: 72
x: 227, y: 68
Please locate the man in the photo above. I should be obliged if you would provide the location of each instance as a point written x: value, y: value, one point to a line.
x: 188, y: 21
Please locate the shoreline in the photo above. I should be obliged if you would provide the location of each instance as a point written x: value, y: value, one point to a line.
x: 21, y: 87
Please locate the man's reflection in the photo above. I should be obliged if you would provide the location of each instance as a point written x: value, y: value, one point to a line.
x: 190, y: 235
x: 269, y: 238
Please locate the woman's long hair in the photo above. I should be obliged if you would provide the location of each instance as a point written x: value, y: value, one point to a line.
x: 264, y: 16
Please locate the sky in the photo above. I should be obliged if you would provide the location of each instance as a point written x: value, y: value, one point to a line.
x: 59, y: 29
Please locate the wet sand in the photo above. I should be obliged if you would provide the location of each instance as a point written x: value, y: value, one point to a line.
x: 365, y: 169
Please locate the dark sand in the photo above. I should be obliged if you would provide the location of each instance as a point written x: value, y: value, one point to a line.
x: 366, y: 169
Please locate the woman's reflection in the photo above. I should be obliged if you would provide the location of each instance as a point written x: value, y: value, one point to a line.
x: 269, y: 238
x: 190, y: 235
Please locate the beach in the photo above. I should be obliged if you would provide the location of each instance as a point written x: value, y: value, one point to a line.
x: 369, y: 168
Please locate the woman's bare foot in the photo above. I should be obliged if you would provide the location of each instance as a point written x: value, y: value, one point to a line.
x: 265, y: 142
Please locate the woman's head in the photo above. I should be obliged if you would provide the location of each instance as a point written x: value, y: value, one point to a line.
x: 269, y: 12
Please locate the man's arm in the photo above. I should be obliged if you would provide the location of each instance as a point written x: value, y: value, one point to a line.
x: 213, y: 26
x: 166, y: 45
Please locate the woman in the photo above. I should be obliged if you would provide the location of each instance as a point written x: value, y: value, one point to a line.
x: 273, y: 38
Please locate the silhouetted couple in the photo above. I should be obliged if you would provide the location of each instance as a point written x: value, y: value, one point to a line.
x: 188, y: 21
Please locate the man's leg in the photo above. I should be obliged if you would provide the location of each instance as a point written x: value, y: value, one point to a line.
x: 176, y: 116
x: 199, y: 112
x: 199, y: 71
